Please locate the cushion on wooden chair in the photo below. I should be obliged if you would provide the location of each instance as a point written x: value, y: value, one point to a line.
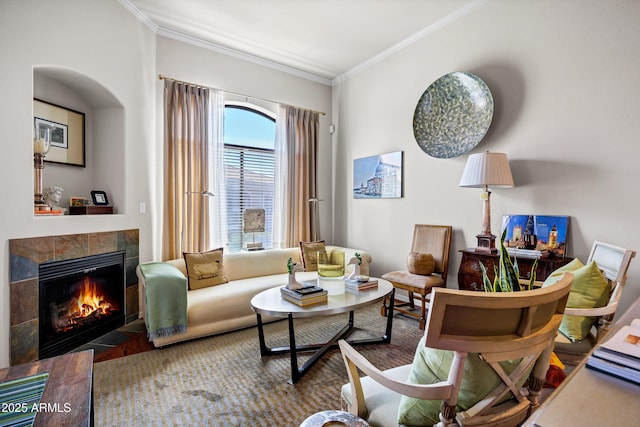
x: 415, y: 280
x: 421, y: 263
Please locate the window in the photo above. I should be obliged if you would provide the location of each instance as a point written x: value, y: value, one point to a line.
x: 249, y: 159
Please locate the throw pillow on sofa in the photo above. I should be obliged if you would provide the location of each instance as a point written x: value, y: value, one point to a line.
x: 205, y: 269
x: 431, y: 366
x: 590, y: 289
x: 309, y: 254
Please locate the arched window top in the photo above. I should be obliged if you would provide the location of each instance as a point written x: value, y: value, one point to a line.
x: 249, y: 126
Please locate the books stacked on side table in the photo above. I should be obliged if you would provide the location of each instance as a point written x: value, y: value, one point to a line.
x: 360, y: 283
x: 306, y: 296
x: 528, y: 253
x: 619, y: 356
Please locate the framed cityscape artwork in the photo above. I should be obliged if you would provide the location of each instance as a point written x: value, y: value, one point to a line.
x: 544, y: 233
x: 378, y: 177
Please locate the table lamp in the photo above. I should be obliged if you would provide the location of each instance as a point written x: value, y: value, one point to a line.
x: 484, y: 170
x: 41, y: 145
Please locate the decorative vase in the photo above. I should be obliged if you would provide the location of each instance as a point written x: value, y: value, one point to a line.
x: 331, y: 264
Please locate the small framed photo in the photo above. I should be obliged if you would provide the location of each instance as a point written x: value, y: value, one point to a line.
x: 77, y: 201
x: 99, y: 198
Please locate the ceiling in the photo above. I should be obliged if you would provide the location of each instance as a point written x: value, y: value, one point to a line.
x: 321, y: 39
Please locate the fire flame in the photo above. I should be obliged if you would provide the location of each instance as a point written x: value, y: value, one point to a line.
x: 88, y: 306
x: 90, y: 300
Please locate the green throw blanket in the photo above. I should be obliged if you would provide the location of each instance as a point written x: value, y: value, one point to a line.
x: 166, y: 299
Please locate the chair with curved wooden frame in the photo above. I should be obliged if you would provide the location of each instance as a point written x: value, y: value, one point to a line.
x: 434, y: 240
x: 614, y: 262
x: 497, y: 326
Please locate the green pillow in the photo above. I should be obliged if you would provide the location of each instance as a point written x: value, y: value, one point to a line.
x: 589, y: 289
x: 431, y: 366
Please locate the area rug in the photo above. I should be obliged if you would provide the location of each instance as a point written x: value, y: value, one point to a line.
x: 222, y: 381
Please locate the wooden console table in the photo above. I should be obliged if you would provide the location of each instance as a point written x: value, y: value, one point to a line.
x: 470, y: 275
x: 68, y: 395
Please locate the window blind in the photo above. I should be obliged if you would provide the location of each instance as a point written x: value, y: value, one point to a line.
x: 249, y: 181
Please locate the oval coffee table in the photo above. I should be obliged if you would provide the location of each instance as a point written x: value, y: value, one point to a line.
x: 270, y: 303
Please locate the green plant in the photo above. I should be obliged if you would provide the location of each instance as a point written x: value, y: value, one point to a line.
x: 506, y: 274
x: 357, y: 255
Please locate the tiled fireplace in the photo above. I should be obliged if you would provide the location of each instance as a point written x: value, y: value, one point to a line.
x: 26, y: 257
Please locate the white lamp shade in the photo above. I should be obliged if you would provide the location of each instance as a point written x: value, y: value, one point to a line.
x: 487, y: 169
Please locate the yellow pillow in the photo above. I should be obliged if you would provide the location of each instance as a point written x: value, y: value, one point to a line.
x: 420, y: 263
x: 589, y: 289
x: 309, y: 254
x: 205, y: 269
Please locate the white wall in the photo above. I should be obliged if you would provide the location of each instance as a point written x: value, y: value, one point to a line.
x: 108, y: 45
x: 564, y: 77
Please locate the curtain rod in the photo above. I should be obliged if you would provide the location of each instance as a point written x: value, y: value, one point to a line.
x: 161, y: 77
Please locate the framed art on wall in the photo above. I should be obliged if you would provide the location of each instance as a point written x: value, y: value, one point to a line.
x: 67, y: 136
x: 378, y: 177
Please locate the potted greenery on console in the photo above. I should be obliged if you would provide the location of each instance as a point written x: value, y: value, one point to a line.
x: 507, y: 274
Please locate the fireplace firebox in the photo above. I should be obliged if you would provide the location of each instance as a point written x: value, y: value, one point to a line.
x: 80, y: 300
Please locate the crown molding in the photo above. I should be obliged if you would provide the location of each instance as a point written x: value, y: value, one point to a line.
x: 443, y: 22
x: 138, y: 14
x: 177, y: 35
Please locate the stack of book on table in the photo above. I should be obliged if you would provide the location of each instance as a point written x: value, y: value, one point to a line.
x: 619, y: 356
x: 528, y: 253
x: 308, y: 295
x: 360, y: 285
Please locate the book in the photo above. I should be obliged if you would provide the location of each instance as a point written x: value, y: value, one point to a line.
x: 304, y: 293
x: 537, y: 233
x: 318, y: 299
x: 614, y: 370
x: 625, y: 341
x: 528, y: 253
x: 619, y: 355
x: 49, y: 212
x: 359, y: 285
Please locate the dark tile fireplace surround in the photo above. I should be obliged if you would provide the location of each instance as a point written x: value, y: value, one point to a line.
x: 25, y: 257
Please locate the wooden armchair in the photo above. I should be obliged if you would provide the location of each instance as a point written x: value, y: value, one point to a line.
x: 614, y: 262
x: 427, y: 239
x: 493, y: 326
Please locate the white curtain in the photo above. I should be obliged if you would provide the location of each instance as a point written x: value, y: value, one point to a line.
x: 217, y: 205
x: 282, y: 179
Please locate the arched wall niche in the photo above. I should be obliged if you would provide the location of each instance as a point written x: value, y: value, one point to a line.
x: 104, y: 135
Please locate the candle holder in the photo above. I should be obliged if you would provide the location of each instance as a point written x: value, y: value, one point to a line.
x: 41, y: 145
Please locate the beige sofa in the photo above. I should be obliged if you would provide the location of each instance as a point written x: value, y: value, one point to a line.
x: 227, y: 307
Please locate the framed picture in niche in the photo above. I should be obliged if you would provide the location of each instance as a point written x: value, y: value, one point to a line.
x: 99, y: 198
x: 67, y: 137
